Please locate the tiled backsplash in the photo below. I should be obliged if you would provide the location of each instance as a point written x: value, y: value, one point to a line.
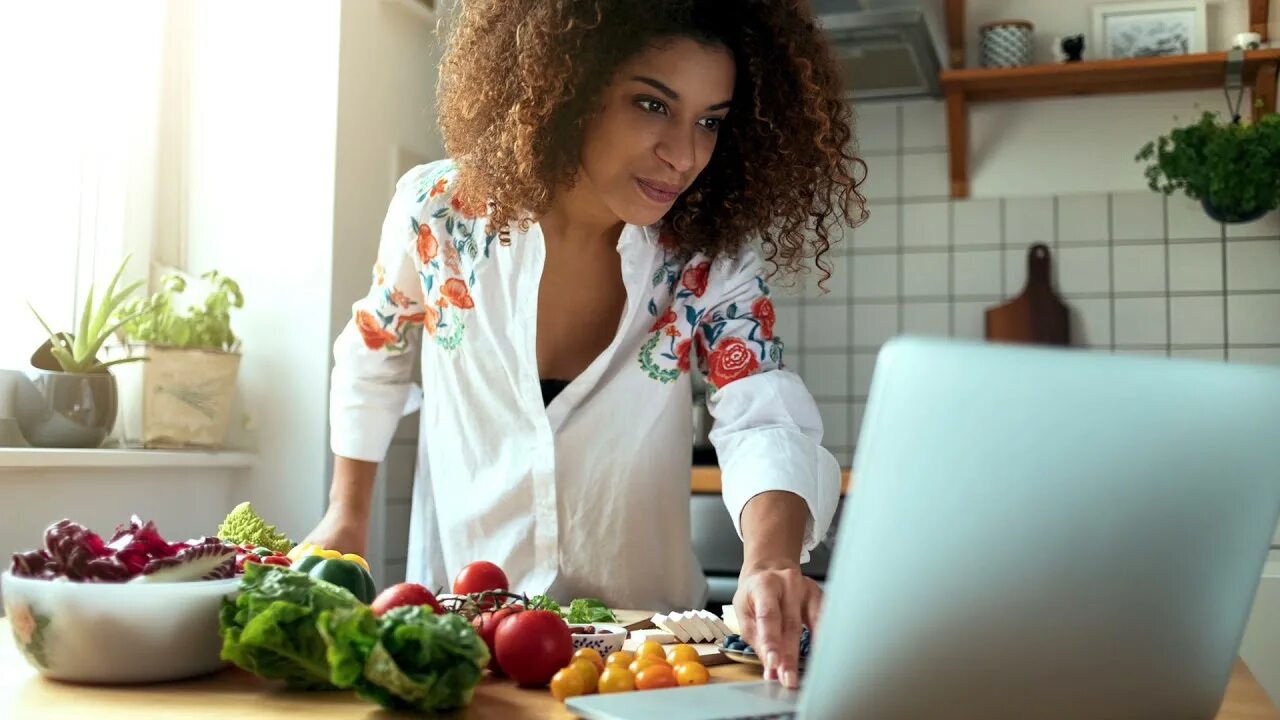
x: 1142, y: 273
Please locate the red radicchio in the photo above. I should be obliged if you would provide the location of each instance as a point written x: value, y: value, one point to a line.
x: 136, y: 551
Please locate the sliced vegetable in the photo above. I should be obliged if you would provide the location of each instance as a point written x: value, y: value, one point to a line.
x: 243, y: 525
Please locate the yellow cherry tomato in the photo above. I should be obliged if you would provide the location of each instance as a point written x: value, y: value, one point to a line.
x: 656, y: 676
x: 567, y: 683
x: 692, y: 673
x: 681, y: 653
x: 590, y: 675
x: 621, y: 658
x: 593, y: 655
x: 645, y: 661
x: 652, y: 648
x: 616, y: 678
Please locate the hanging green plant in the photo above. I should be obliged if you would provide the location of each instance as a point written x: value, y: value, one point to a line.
x: 205, y: 325
x: 1233, y: 169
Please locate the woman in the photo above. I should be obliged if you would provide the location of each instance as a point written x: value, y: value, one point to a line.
x: 584, y: 251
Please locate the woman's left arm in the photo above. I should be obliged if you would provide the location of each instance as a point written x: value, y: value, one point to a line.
x: 780, y: 485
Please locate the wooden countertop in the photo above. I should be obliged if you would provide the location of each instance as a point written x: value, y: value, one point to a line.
x: 234, y: 694
x: 706, y: 480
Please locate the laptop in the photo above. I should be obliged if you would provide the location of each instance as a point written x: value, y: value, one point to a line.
x: 1032, y: 533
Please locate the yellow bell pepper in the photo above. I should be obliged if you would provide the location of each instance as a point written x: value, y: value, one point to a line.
x: 305, y: 549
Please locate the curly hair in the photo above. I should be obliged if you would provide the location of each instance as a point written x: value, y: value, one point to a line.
x: 520, y: 80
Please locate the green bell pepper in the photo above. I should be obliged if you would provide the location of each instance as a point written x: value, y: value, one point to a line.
x: 343, y: 573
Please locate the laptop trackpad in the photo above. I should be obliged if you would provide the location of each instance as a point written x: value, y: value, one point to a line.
x: 702, y: 702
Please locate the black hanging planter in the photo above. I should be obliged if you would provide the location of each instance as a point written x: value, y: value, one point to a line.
x: 1231, y: 217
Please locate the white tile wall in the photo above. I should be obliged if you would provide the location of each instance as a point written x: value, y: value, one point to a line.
x: 1139, y: 268
x: 1253, y: 319
x: 875, y: 276
x: 1197, y: 321
x: 874, y: 324
x: 881, y: 182
x: 1137, y: 216
x: 1083, y: 270
x: 1142, y: 274
x: 1253, y: 265
x: 924, y: 125
x: 1195, y: 267
x: 876, y: 127
x: 1028, y: 221
x: 927, y: 318
x: 977, y: 272
x: 925, y: 274
x: 925, y: 175
x: 1082, y: 219
x: 1187, y: 221
x: 880, y: 231
x: 826, y: 326
x: 976, y: 222
x: 1141, y: 321
x: 926, y: 225
x: 827, y: 375
x: 1091, y: 323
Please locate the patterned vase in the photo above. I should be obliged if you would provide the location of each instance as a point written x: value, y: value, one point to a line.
x: 1007, y: 43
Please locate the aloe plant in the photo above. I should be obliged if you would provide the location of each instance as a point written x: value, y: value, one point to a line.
x: 78, y: 353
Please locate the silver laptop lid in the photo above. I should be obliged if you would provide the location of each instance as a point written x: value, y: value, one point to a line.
x: 1047, y: 533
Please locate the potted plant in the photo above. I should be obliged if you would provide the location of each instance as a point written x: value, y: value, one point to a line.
x: 71, y: 397
x: 183, y: 396
x: 1233, y: 169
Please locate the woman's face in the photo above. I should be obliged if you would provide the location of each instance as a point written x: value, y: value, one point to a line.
x: 657, y: 127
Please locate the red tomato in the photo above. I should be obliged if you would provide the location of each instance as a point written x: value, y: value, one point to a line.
x: 478, y: 577
x: 532, y: 646
x: 404, y: 594
x: 486, y: 624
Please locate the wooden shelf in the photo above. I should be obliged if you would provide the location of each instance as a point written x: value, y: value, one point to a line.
x: 1098, y: 77
x: 1101, y: 77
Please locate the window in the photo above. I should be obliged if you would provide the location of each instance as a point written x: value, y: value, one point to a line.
x: 83, y: 85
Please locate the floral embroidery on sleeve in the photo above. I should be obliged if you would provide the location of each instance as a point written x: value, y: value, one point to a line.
x: 730, y: 341
x: 447, y: 261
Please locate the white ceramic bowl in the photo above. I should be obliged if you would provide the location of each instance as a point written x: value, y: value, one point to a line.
x: 604, y: 643
x: 116, y: 632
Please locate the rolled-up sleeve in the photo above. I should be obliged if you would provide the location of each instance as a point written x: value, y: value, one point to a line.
x: 767, y: 431
x: 374, y: 354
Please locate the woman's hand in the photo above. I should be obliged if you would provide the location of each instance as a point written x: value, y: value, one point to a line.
x: 773, y: 602
x: 341, y: 530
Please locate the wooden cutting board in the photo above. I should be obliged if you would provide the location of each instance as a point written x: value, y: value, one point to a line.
x: 1037, y: 315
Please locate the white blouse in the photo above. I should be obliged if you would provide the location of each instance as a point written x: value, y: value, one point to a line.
x: 589, y: 495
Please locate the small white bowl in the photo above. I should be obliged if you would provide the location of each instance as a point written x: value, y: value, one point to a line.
x: 116, y: 632
x: 603, y: 642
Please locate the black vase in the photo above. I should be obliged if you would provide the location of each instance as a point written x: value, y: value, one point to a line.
x: 1231, y: 217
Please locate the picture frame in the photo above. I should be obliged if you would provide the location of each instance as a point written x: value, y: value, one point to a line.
x: 1156, y: 28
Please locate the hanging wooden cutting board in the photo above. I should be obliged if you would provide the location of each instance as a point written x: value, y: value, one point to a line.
x: 1037, y: 315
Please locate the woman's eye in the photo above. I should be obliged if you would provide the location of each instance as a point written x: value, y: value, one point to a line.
x: 712, y: 124
x: 651, y: 105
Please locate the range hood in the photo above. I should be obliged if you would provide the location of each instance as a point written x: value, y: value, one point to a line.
x: 887, y: 49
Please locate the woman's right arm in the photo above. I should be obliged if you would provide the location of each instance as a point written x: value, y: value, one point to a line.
x: 373, y: 366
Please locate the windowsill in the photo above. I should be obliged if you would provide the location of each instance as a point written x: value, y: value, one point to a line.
x: 43, y: 458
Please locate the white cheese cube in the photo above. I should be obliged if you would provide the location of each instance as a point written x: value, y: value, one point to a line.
x: 697, y: 627
x: 662, y: 637
x: 671, y: 623
x: 731, y: 620
x: 717, y: 628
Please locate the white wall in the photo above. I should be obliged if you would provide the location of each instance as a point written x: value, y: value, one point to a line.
x: 260, y: 183
x: 1078, y: 145
x: 386, y: 124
